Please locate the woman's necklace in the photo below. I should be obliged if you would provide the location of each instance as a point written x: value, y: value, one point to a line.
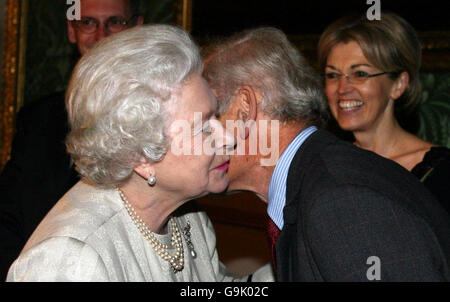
x: 176, y: 260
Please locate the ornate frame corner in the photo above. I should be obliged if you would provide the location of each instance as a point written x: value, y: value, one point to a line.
x: 12, y: 72
x: 184, y: 14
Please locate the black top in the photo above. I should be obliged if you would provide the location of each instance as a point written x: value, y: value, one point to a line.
x: 347, y: 208
x: 434, y: 173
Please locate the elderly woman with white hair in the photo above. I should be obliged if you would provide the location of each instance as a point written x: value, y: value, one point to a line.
x: 128, y: 218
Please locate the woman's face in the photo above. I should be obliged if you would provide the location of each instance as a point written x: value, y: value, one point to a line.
x: 357, y: 105
x: 196, y: 162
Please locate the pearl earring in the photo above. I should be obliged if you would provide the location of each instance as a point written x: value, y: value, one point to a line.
x: 152, y: 180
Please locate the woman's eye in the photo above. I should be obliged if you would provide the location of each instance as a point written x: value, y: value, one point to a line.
x: 331, y: 75
x: 360, y: 74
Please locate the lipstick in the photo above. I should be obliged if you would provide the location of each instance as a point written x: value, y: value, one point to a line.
x: 223, y: 166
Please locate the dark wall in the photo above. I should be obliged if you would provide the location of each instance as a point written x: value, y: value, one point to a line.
x: 2, y: 29
x: 306, y: 16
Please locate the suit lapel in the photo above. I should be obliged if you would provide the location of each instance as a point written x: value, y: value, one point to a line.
x: 288, y: 240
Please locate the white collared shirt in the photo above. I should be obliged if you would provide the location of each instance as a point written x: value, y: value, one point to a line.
x: 277, y: 186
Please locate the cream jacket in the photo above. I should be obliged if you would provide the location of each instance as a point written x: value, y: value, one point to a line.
x: 89, y: 236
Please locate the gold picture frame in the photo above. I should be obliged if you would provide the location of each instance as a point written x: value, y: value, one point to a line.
x: 13, y: 10
x: 12, y: 78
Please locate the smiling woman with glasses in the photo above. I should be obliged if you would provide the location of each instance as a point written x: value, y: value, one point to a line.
x: 371, y: 69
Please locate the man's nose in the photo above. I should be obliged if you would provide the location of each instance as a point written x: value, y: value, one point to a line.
x: 224, y: 138
x: 230, y: 141
x: 101, y: 32
x: 344, y: 84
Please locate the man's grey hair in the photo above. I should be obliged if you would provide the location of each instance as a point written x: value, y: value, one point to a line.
x: 264, y: 59
x: 116, y: 96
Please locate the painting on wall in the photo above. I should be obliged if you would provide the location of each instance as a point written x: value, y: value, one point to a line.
x: 2, y: 29
x: 38, y: 58
x: 49, y: 55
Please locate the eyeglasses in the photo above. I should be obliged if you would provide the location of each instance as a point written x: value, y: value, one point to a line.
x: 355, y: 77
x: 89, y: 25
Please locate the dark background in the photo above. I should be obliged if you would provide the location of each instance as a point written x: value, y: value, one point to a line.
x: 306, y: 16
x: 50, y: 57
x: 304, y: 20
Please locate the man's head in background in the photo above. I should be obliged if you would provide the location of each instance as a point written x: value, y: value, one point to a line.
x: 259, y: 76
x: 102, y: 18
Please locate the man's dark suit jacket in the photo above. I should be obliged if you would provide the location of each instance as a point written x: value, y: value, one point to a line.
x: 344, y: 205
x: 37, y: 175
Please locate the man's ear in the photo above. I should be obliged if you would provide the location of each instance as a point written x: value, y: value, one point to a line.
x: 71, y: 32
x: 400, y: 85
x: 247, y: 105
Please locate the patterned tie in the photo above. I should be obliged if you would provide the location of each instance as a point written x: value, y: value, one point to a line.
x: 272, y: 234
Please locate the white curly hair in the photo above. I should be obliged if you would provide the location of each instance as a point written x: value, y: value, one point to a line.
x: 116, y: 96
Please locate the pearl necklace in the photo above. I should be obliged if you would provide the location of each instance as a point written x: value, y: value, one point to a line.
x: 176, y: 260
